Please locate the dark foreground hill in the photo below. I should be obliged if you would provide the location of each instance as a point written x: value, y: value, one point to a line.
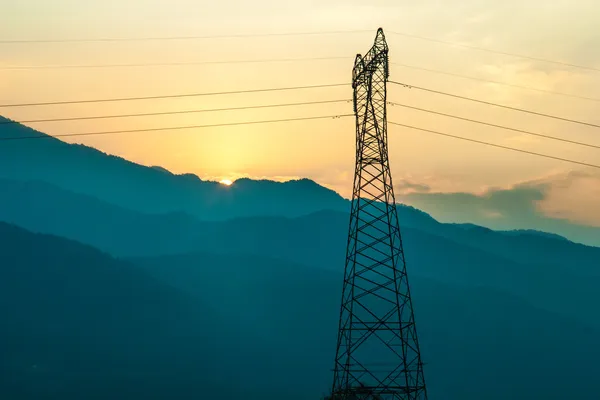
x: 78, y: 324
x: 478, y: 343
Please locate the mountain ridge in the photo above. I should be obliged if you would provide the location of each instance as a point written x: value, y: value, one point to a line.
x: 114, y: 179
x: 155, y: 190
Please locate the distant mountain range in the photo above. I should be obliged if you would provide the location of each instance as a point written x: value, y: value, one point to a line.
x: 514, y: 232
x: 150, y: 189
x: 43, y: 207
x: 208, y: 280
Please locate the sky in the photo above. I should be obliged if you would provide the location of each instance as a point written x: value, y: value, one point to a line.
x: 431, y: 172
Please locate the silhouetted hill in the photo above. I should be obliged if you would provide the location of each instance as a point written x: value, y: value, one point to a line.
x: 515, y: 232
x: 154, y: 190
x: 527, y: 247
x: 532, y: 232
x: 150, y: 189
x: 161, y: 169
x: 78, y: 324
x: 531, y: 266
x: 45, y: 208
x: 472, y: 338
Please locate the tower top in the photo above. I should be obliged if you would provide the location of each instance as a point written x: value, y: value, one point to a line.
x: 377, y: 55
x: 380, y: 42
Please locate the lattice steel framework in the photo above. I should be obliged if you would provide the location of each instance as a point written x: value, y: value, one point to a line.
x: 378, y: 353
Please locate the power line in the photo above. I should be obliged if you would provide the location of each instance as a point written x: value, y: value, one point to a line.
x: 274, y: 60
x: 313, y: 33
x: 495, y: 145
x: 285, y: 120
x: 494, y: 125
x: 290, y: 105
x: 175, y: 112
x: 171, y: 96
x: 505, y: 53
x: 496, y: 105
x: 497, y: 82
x: 176, y: 127
x: 170, y: 38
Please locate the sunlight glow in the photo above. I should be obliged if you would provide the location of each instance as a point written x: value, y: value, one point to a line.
x: 226, y: 182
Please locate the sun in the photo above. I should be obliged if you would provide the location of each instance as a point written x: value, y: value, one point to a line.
x: 226, y: 182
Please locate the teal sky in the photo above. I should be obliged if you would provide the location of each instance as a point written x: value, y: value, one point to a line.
x: 426, y: 168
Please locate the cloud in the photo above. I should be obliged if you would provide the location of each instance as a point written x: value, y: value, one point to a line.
x: 406, y: 187
x: 574, y: 198
x: 564, y: 204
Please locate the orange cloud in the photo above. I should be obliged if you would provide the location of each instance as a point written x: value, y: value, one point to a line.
x: 574, y: 197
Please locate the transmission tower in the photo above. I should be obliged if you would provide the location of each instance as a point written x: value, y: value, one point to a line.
x: 378, y: 353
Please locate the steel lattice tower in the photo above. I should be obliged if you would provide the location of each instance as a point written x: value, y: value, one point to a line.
x: 378, y: 353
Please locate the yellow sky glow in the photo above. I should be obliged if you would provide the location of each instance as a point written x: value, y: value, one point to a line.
x: 323, y: 149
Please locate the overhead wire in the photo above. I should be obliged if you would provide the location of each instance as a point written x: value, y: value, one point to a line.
x: 43, y: 136
x: 283, y: 34
x: 505, y: 53
x: 496, y: 82
x: 495, y: 104
x: 172, y: 128
x: 115, y: 99
x: 296, y: 119
x: 190, y: 37
x: 494, y: 125
x: 495, y: 145
x: 176, y: 112
x: 75, y: 66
